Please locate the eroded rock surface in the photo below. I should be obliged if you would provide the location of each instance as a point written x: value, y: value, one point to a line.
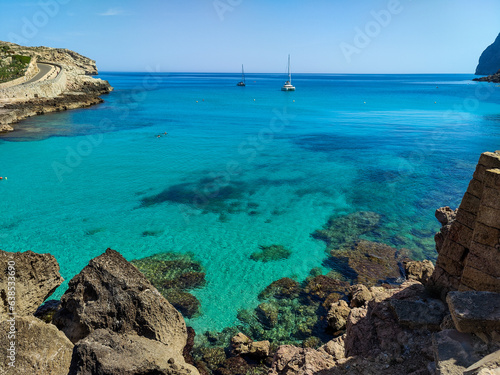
x: 110, y: 293
x: 36, y: 277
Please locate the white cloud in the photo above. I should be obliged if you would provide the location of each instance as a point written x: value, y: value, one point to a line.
x: 111, y: 12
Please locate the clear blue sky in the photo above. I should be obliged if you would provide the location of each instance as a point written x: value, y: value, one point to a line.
x: 420, y: 36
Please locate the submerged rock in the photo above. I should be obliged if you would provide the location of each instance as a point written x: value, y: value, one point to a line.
x: 173, y: 274
x: 282, y: 288
x: 321, y: 287
x: 347, y: 229
x: 36, y: 277
x: 370, y: 263
x: 110, y: 293
x: 271, y: 253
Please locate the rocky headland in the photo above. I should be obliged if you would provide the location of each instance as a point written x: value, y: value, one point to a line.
x: 376, y: 312
x: 68, y: 84
x: 494, y: 78
x: 489, y: 62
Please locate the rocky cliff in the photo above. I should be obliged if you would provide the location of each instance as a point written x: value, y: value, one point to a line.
x: 489, y: 62
x: 72, y: 85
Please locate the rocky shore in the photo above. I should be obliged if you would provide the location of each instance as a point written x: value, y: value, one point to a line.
x: 76, y: 89
x: 495, y: 78
x: 382, y: 313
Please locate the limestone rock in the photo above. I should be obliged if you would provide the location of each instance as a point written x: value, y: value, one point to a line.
x: 475, y: 311
x: 40, y: 347
x: 280, y: 289
x: 454, y: 351
x: 419, y: 314
x: 446, y: 216
x: 359, y: 295
x: 337, y: 315
x: 291, y: 360
x: 489, y: 365
x: 243, y: 345
x: 260, y: 349
x: 108, y: 353
x: 335, y: 348
x: 420, y: 271
x: 240, y: 343
x: 36, y: 278
x: 489, y: 62
x: 110, y: 293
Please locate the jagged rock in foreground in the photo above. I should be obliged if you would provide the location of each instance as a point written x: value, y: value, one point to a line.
x: 475, y: 311
x: 291, y: 360
x: 468, y: 257
x: 108, y: 353
x: 36, y: 276
x: 111, y: 294
x: 489, y: 62
x: 40, y: 348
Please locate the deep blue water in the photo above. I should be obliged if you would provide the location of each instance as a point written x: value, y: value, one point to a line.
x: 242, y: 167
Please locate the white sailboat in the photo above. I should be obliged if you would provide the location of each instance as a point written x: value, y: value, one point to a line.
x: 288, y: 84
x: 242, y: 82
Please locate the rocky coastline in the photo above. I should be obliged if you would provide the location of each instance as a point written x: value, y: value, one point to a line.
x: 387, y: 315
x: 494, y: 78
x: 72, y: 88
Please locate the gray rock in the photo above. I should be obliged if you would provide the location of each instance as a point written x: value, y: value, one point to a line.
x: 475, y: 311
x: 419, y: 314
x: 40, y: 348
x: 454, y: 351
x: 489, y: 362
x: 36, y: 276
x: 110, y: 293
x: 108, y: 353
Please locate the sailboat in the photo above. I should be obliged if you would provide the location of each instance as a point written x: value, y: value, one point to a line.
x: 242, y: 82
x: 288, y: 84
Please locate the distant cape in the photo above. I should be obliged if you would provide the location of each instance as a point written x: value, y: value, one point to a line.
x: 489, y: 62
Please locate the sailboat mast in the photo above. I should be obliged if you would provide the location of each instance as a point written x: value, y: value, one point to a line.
x: 289, y: 74
x: 242, y: 73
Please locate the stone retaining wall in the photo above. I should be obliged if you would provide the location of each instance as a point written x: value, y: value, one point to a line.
x: 30, y: 72
x: 46, y: 89
x: 469, y: 258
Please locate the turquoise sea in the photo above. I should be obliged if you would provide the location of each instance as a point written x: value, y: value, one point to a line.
x: 242, y: 167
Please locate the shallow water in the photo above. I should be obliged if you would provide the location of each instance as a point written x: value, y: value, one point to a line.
x: 242, y: 167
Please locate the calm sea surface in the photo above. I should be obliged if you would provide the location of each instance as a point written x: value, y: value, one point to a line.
x: 242, y: 167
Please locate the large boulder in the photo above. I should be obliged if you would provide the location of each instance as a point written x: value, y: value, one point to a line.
x: 419, y: 271
x: 34, y: 277
x: 108, y: 353
x: 110, y: 293
x: 475, y: 311
x: 35, y: 348
x: 337, y: 315
x: 291, y: 360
